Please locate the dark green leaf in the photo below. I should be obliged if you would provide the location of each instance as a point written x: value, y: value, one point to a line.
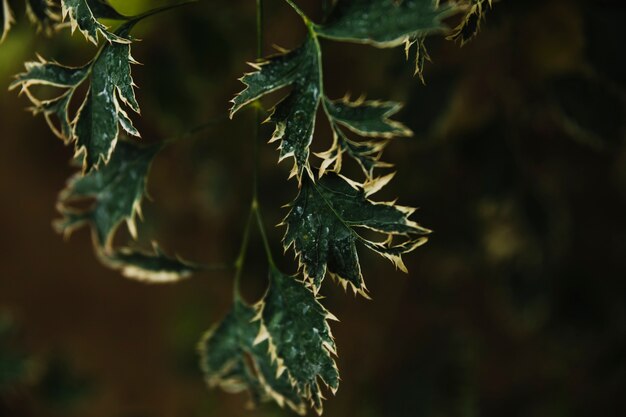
x: 83, y: 17
x: 231, y: 360
x: 366, y: 118
x: 95, y: 128
x: 300, y: 339
x: 384, y: 23
x: 367, y: 154
x: 295, y: 115
x: 116, y: 190
x: 149, y: 266
x: 323, y: 227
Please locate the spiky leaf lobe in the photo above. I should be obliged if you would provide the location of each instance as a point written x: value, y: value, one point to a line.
x: 95, y: 128
x: 149, y: 266
x: 231, y: 360
x: 384, y: 23
x: 84, y: 14
x: 300, y: 339
x: 116, y: 190
x: 294, y: 116
x: 325, y: 223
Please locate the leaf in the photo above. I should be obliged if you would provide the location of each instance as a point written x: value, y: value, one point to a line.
x: 149, y: 266
x: 470, y: 25
x: 231, y: 360
x: 84, y: 14
x: 300, y: 339
x: 116, y: 190
x: 95, y: 127
x: 43, y: 14
x: 6, y: 19
x: 365, y: 118
x: 295, y: 115
x: 384, y: 23
x: 323, y: 226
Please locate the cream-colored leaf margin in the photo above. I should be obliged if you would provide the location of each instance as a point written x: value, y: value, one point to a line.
x: 307, y: 390
x: 79, y: 150
x: 69, y: 11
x: 8, y: 19
x: 137, y: 273
x: 385, y: 248
x: 235, y: 385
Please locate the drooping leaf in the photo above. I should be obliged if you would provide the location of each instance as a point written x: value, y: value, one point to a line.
x: 300, y: 339
x: 84, y: 14
x: 365, y: 118
x: 95, y: 128
x: 295, y: 115
x: 231, y: 360
x: 6, y: 19
x: 116, y: 190
x: 44, y: 14
x: 384, y: 23
x: 149, y: 266
x: 324, y: 222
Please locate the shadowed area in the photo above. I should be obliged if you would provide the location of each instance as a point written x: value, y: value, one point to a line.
x: 515, y: 306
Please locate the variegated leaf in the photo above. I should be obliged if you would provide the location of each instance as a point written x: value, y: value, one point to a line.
x: 116, y: 191
x: 294, y: 116
x: 231, y: 360
x: 149, y: 266
x: 95, y: 127
x: 370, y: 119
x: 388, y: 23
x: 300, y: 340
x: 84, y: 14
x: 324, y: 222
x: 384, y: 23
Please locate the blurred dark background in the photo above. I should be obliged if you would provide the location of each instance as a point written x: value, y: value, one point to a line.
x: 516, y: 307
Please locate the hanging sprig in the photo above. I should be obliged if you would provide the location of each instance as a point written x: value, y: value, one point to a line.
x: 115, y: 171
x: 332, y: 215
x: 280, y: 348
x: 321, y: 223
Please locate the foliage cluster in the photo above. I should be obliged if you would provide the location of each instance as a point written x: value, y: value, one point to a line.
x: 281, y: 348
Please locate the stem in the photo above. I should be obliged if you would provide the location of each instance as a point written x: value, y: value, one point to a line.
x: 241, y: 258
x: 257, y: 109
x: 259, y: 28
x: 266, y: 243
x: 158, y: 10
x: 254, y: 212
x: 298, y: 10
